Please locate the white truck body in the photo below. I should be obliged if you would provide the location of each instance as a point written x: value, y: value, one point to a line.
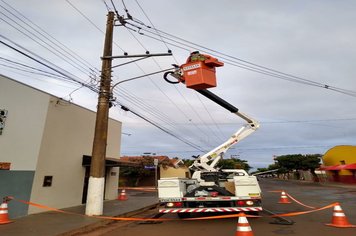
x: 243, y: 194
x: 211, y: 189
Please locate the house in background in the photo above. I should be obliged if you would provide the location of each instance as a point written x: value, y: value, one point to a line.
x: 45, y: 148
x: 145, y: 175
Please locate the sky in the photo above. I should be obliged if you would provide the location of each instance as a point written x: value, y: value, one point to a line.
x: 288, y: 64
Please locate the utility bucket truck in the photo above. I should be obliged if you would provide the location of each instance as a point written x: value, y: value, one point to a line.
x: 211, y: 189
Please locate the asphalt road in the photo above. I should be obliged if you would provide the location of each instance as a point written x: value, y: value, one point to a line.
x: 307, y: 224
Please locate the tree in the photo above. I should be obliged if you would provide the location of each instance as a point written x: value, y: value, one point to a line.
x: 188, y: 162
x: 311, y: 162
x: 288, y: 163
x: 137, y: 173
x: 234, y: 163
x: 231, y: 163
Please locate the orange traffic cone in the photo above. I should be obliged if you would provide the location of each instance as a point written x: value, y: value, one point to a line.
x: 243, y: 228
x: 339, y: 219
x: 122, y: 196
x: 4, y: 216
x: 284, y: 199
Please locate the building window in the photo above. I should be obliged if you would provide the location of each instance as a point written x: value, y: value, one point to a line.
x: 47, y: 181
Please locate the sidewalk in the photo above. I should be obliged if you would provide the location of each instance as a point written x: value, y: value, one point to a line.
x: 53, y: 223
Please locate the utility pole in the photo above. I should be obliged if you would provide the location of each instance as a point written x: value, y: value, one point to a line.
x: 95, y: 197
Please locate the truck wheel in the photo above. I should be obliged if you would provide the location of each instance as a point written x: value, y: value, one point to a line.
x: 183, y: 215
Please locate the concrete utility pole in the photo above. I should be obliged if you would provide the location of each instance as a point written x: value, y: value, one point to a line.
x: 95, y: 197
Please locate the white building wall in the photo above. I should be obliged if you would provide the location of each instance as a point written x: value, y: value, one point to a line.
x: 69, y: 133
x: 43, y: 137
x: 113, y: 150
x: 20, y: 140
x: 27, y: 110
x: 112, y: 183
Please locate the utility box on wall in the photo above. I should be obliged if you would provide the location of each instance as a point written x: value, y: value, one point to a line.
x: 3, y: 115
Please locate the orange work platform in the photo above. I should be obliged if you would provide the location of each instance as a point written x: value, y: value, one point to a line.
x: 199, y: 71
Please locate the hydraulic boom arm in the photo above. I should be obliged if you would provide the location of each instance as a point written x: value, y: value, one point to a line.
x: 209, y: 160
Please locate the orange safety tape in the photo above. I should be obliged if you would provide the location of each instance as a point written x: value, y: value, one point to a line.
x: 295, y: 200
x: 311, y: 207
x: 275, y: 191
x: 42, y: 206
x: 72, y: 213
x: 304, y: 212
x: 152, y: 219
x: 139, y: 189
x: 129, y: 219
x: 126, y: 218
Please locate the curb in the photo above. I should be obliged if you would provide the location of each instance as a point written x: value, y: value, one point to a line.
x: 102, y: 223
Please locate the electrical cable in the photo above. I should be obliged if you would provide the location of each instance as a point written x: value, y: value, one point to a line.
x: 211, y: 117
x: 163, y: 129
x: 42, y: 61
x: 143, y: 11
x: 189, y: 104
x: 248, y: 65
x: 158, y: 114
x: 47, y: 64
x: 107, y: 6
x: 32, y: 70
x: 87, y: 18
x: 261, y: 71
x: 34, y: 37
x: 52, y: 39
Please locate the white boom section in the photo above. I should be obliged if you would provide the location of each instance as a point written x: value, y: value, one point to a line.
x: 202, y: 163
x: 208, y: 161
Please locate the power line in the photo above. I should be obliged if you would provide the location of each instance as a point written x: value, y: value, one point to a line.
x: 48, y: 42
x: 66, y: 75
x: 187, y: 45
x: 163, y: 129
x: 139, y: 5
x: 209, y: 113
x: 167, y: 97
x: 302, y: 121
x: 243, y: 149
x: 178, y: 91
x: 42, y: 61
x: 32, y: 70
x: 52, y: 39
x: 158, y: 115
x: 47, y: 64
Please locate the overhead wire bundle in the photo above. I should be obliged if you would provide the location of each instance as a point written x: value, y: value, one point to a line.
x: 152, y: 32
x: 201, y: 126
